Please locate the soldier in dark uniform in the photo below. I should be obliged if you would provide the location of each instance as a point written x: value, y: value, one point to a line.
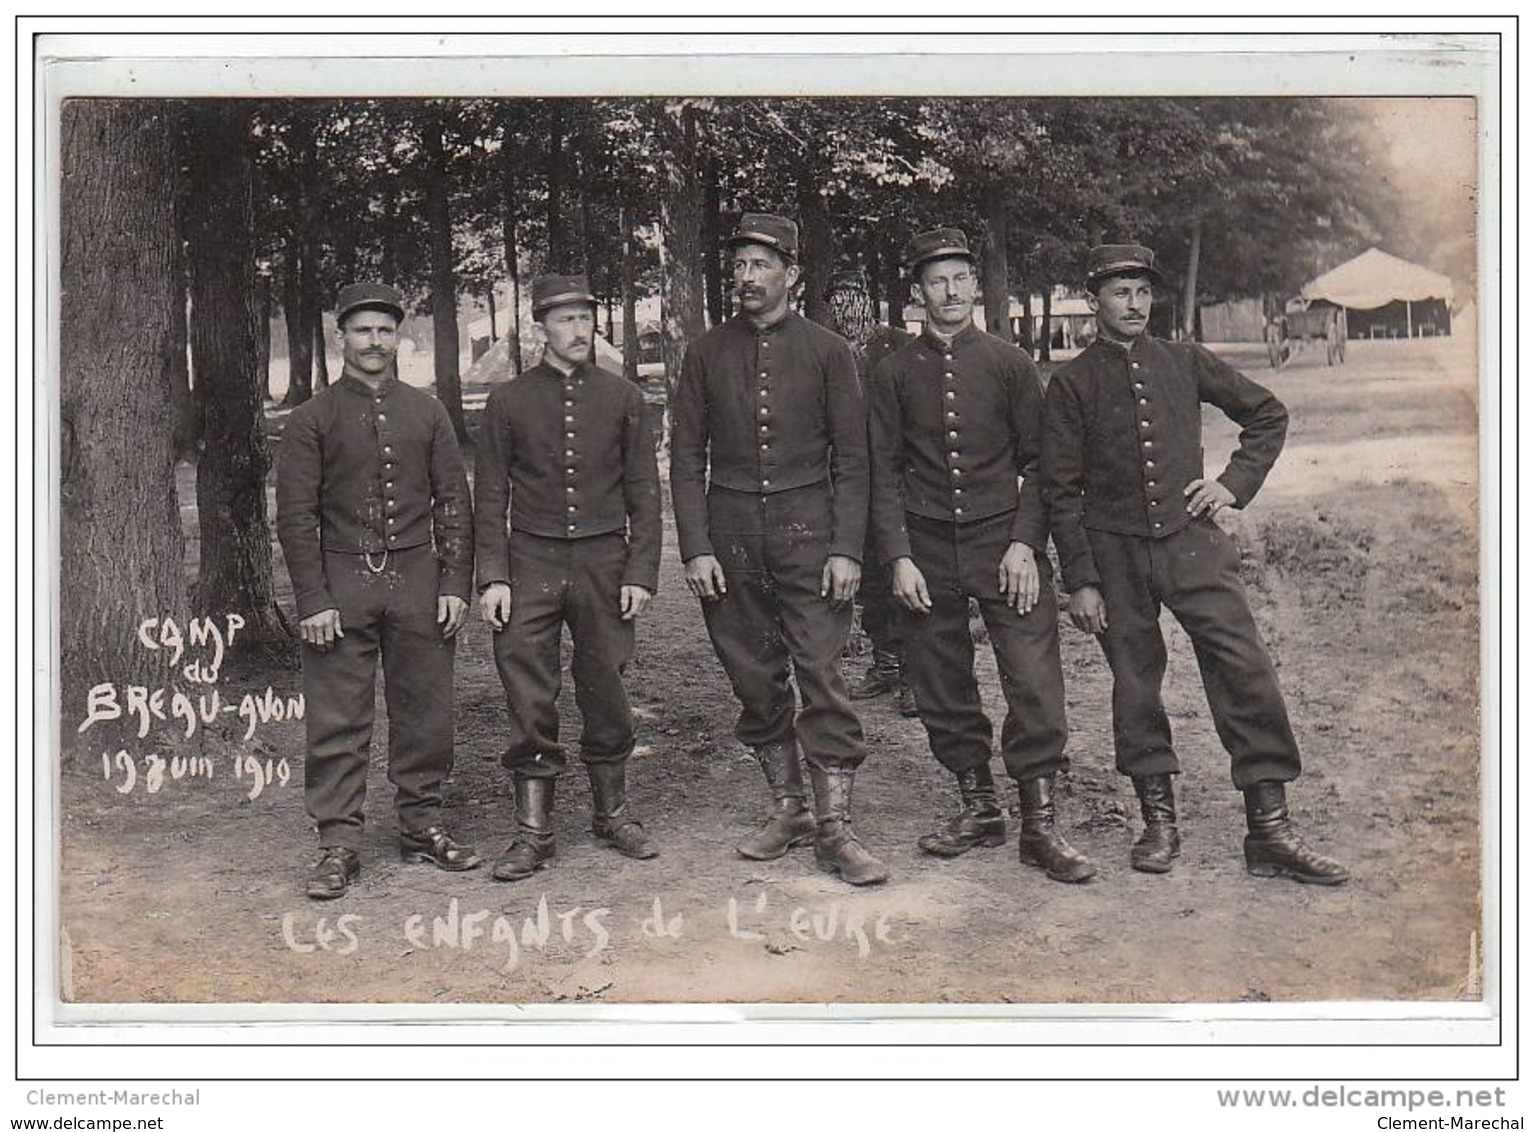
x: 567, y: 516
x: 853, y: 317
x: 1132, y: 514
x: 957, y: 514
x: 374, y: 519
x: 769, y: 477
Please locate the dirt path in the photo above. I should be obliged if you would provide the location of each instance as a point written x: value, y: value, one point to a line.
x: 1361, y: 556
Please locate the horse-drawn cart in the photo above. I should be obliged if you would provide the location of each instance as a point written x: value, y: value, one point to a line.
x: 1291, y: 333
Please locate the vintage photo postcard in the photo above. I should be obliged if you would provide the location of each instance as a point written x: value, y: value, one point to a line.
x: 1004, y: 533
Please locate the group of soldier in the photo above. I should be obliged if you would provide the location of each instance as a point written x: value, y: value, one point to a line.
x: 809, y: 469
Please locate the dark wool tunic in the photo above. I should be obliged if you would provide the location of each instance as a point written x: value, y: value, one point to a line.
x: 1123, y: 437
x: 765, y: 412
x: 364, y: 471
x: 955, y: 430
x: 574, y: 458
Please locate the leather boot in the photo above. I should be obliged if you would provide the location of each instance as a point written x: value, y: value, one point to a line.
x: 979, y: 823
x: 883, y: 676
x: 791, y: 823
x: 837, y: 849
x: 533, y: 845
x: 1039, y: 843
x: 905, y: 699
x: 609, y: 822
x: 1156, y: 847
x: 1274, y: 847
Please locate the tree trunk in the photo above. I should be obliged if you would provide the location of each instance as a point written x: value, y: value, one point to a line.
x: 266, y: 336
x: 300, y: 344
x: 444, y: 294
x: 1190, y: 283
x: 188, y: 428
x: 714, y: 284
x: 586, y: 240
x: 681, y: 208
x: 321, y: 367
x: 994, y: 264
x: 817, y: 249
x: 235, y: 549
x: 896, y: 291
x: 509, y: 128
x: 556, y: 175
x: 120, y: 537
x: 1025, y: 340
x: 630, y: 302
x: 1048, y: 336
x: 309, y: 300
x: 490, y: 302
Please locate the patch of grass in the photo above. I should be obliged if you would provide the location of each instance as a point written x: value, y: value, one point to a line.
x: 1330, y: 555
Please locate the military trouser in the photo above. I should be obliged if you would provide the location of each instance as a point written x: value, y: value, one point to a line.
x: 392, y: 614
x: 554, y: 583
x: 1194, y: 573
x: 960, y: 561
x: 773, y: 620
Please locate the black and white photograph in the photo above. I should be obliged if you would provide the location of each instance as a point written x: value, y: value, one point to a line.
x: 913, y: 536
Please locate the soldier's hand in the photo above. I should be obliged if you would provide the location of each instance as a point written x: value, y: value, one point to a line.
x: 450, y: 613
x: 632, y: 600
x: 839, y: 579
x: 1089, y: 612
x: 321, y: 629
x: 909, y: 587
x: 1205, y: 497
x: 705, y: 577
x: 1018, y: 577
x: 495, y: 605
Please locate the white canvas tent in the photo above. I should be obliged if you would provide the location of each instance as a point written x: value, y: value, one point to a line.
x: 1384, y: 291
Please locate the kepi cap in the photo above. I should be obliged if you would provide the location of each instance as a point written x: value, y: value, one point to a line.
x: 776, y: 232
x: 1121, y: 259
x: 938, y: 243
x: 369, y: 296
x: 557, y: 290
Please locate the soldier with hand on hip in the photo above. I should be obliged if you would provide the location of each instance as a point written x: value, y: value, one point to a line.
x: 1132, y: 514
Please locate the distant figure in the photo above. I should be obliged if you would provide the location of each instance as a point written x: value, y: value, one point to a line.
x: 958, y: 516
x: 1132, y: 514
x: 567, y: 519
x: 852, y: 316
x: 374, y: 520
x: 769, y: 476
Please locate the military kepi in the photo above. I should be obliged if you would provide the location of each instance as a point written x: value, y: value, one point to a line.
x: 557, y: 290
x: 369, y: 296
x: 776, y: 232
x: 1121, y: 259
x: 938, y: 243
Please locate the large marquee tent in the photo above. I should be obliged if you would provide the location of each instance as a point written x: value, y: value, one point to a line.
x: 1385, y: 297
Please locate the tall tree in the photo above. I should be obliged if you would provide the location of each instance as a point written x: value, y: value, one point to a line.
x: 120, y: 530
x: 681, y: 207
x: 715, y: 286
x: 555, y: 167
x: 301, y: 297
x: 235, y: 559
x: 444, y: 292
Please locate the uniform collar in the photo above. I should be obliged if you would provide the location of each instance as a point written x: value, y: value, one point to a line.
x: 747, y: 325
x: 356, y: 385
x: 930, y: 337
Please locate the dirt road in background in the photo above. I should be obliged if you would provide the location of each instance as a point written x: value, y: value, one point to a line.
x: 1362, y: 559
